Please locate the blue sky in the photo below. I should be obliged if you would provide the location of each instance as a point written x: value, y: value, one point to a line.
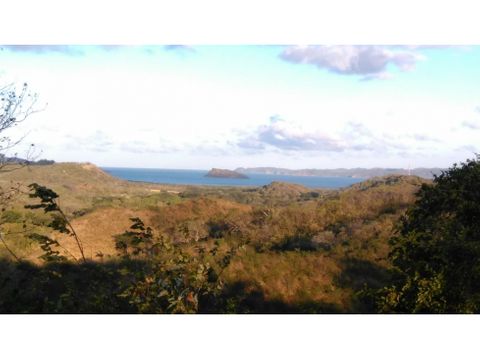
x: 302, y: 106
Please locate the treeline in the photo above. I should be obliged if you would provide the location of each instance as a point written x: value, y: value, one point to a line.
x: 16, y: 160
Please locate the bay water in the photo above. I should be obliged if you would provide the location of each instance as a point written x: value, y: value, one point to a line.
x: 197, y: 177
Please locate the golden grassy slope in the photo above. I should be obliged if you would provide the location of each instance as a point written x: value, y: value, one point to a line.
x: 79, y: 184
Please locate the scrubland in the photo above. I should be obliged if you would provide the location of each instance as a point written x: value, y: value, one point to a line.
x: 298, y: 249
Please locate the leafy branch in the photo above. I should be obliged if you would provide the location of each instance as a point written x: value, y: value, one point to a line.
x: 60, y: 222
x: 174, y: 281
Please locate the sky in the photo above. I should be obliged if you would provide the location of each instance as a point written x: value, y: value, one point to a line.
x: 292, y: 106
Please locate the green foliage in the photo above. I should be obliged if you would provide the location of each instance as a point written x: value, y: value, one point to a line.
x: 47, y: 198
x: 151, y: 201
x: 59, y: 221
x: 175, y: 281
x: 42, y: 162
x: 309, y: 195
x: 137, y: 241
x: 49, y: 254
x: 63, y: 287
x: 151, y: 275
x: 436, y: 253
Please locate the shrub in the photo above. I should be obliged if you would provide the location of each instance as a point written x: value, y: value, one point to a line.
x: 301, y: 240
x: 436, y: 252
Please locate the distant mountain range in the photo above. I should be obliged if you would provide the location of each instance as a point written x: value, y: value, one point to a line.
x: 426, y: 173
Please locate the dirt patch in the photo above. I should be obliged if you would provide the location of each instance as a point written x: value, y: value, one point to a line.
x: 89, y: 166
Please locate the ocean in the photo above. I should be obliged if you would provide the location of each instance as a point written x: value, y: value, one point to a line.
x: 197, y: 177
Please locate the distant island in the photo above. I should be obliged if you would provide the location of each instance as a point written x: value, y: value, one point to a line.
x: 363, y: 173
x: 224, y: 173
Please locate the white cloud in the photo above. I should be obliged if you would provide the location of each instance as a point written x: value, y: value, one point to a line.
x: 282, y: 135
x: 368, y: 61
x: 353, y: 138
x: 98, y: 141
x: 143, y: 147
x: 473, y: 125
x: 424, y: 138
x: 44, y: 49
x: 180, y: 48
x: 468, y: 148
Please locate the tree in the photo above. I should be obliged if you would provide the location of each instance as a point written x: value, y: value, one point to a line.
x: 60, y: 223
x: 15, y: 106
x: 436, y: 252
x: 172, y: 280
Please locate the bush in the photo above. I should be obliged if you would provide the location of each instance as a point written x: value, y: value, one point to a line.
x: 436, y: 252
x: 43, y: 162
x: 302, y: 240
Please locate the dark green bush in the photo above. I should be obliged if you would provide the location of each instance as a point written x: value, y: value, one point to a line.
x: 436, y: 252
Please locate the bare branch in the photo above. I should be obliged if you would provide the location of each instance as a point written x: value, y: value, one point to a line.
x: 16, y: 105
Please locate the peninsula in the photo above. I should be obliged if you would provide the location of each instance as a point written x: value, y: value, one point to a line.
x: 426, y: 173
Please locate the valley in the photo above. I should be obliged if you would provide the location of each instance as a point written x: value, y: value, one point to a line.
x: 303, y: 249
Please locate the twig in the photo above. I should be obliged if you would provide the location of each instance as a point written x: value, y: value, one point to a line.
x: 77, y: 239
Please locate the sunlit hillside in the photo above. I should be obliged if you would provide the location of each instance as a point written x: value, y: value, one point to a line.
x: 307, y: 250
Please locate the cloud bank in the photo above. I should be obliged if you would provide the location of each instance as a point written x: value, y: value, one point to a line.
x: 279, y: 134
x: 182, y: 48
x: 368, y: 61
x: 472, y: 124
x: 81, y: 50
x: 43, y: 49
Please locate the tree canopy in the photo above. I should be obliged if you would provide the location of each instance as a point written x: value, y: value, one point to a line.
x: 436, y: 252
